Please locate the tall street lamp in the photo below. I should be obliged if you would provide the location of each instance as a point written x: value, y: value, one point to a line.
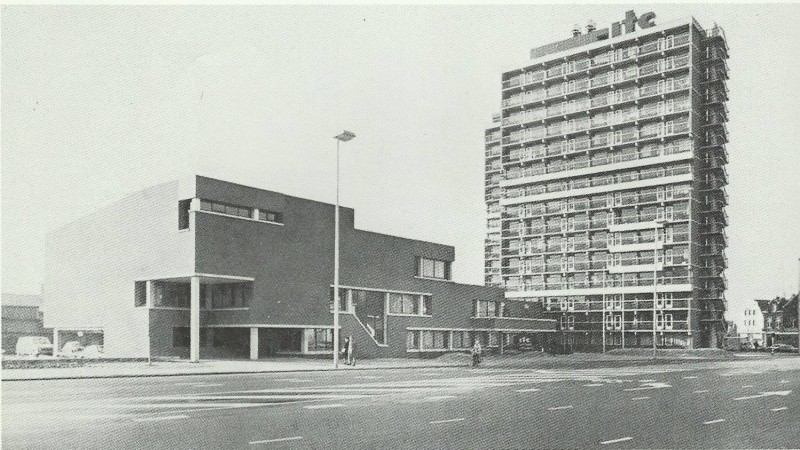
x: 344, y: 137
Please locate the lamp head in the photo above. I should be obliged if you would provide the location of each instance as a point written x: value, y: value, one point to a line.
x: 345, y: 136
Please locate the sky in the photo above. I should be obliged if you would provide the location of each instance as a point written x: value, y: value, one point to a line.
x: 99, y: 102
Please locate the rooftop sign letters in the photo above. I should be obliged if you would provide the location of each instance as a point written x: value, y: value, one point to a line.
x: 630, y: 22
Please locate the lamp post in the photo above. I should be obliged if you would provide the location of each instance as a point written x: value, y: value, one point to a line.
x: 344, y: 137
x: 656, y: 225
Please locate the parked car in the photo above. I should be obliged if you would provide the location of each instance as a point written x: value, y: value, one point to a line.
x: 34, y: 346
x: 783, y: 348
x: 71, y: 349
x: 92, y: 351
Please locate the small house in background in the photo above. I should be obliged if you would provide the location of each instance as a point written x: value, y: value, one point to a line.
x: 22, y: 316
x: 780, y: 320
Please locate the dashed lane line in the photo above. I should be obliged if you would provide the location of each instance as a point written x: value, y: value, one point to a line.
x: 640, y: 398
x: 702, y: 391
x: 690, y: 377
x: 267, y: 441
x: 747, y: 386
x: 709, y: 422
x: 592, y: 384
x: 460, y: 419
x: 557, y: 408
x: 614, y: 441
x: 782, y: 408
x: 528, y: 390
x: 333, y: 405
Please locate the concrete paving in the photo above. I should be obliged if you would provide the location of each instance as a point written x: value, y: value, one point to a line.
x: 746, y: 403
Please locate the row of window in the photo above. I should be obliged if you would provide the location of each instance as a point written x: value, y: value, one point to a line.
x: 602, y: 119
x: 599, y: 180
x: 536, y: 166
x: 598, y: 279
x: 227, y: 209
x: 599, y: 201
x: 372, y: 301
x: 435, y: 340
x: 240, y: 211
x: 178, y: 295
x: 658, y: 87
x: 433, y: 268
x: 602, y: 79
x: 534, y: 75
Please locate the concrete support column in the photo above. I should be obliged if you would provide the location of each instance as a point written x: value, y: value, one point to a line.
x: 253, y: 343
x: 194, y: 321
x: 148, y: 293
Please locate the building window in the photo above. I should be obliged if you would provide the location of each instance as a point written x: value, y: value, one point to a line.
x: 320, y: 339
x: 222, y: 208
x: 270, y: 216
x: 183, y: 214
x: 171, y: 294
x: 180, y: 337
x: 461, y: 340
x: 140, y: 294
x: 433, y: 268
x: 427, y: 305
x: 226, y: 295
x: 485, y: 308
x: 404, y: 304
x: 412, y: 340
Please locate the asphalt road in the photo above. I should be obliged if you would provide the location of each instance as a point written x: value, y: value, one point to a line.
x: 741, y: 404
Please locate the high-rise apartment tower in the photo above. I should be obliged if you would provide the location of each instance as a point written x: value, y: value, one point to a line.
x: 605, y: 184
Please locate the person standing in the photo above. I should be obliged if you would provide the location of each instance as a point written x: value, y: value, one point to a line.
x: 351, y: 351
x: 346, y: 350
x: 476, y: 353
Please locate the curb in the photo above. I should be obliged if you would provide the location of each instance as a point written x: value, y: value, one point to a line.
x: 238, y: 372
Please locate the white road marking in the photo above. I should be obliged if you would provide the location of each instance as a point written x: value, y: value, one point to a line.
x: 782, y: 408
x: 528, y: 390
x: 556, y: 408
x: 447, y: 421
x: 640, y: 398
x: 702, y: 391
x: 713, y: 421
x: 153, y: 419
x: 784, y: 381
x: 646, y: 381
x: 295, y: 438
x: 593, y: 385
x: 649, y: 386
x: 333, y: 405
x: 614, y: 441
x: 765, y: 394
x: 747, y: 386
x: 689, y: 378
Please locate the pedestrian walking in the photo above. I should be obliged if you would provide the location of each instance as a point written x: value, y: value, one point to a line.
x: 351, y: 351
x: 346, y: 350
x: 476, y: 353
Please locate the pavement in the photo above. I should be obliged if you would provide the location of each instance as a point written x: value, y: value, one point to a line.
x: 749, y: 402
x: 102, y: 369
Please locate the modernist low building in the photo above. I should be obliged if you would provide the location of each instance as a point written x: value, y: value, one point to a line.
x: 211, y: 269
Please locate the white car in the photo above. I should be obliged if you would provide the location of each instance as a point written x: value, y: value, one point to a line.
x: 92, y: 351
x: 34, y: 346
x: 71, y: 349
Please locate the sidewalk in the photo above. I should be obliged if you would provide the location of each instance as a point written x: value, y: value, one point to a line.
x: 531, y: 360
x: 217, y: 367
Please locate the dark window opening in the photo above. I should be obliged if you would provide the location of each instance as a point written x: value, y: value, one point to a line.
x: 140, y: 294
x: 183, y: 214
